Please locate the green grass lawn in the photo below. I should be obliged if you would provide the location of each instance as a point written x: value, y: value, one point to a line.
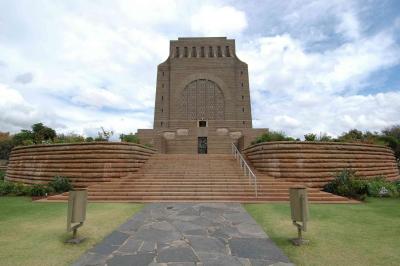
x: 33, y: 233
x: 339, y: 234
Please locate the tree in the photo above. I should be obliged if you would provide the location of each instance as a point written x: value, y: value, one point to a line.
x: 273, y: 136
x: 104, y: 135
x: 352, y: 135
x: 6, y: 145
x: 392, y: 136
x: 325, y: 137
x: 89, y: 139
x: 310, y: 137
x: 24, y: 137
x: 129, y: 138
x: 42, y: 133
x: 393, y: 131
x: 69, y: 138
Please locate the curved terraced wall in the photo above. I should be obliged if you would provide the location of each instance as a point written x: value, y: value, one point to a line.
x: 82, y: 163
x: 314, y: 163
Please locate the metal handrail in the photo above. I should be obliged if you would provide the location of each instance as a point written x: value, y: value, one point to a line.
x: 246, y: 168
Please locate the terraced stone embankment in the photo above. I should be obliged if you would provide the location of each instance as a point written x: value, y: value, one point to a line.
x: 314, y: 163
x: 82, y: 163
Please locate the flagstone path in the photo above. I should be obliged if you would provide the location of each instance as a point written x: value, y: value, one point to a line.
x: 172, y: 234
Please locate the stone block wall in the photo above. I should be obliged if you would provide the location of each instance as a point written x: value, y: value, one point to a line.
x: 82, y: 163
x: 314, y: 163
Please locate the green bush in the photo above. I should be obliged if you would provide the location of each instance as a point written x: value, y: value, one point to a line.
x: 310, y: 137
x: 20, y: 189
x: 60, y: 184
x: 132, y: 138
x: 69, y: 138
x: 272, y: 136
x: 6, y: 188
x: 347, y: 184
x: 38, y: 190
x: 6, y: 146
x: 379, y: 187
x: 2, y: 174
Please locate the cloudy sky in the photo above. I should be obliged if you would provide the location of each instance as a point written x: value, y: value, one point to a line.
x: 315, y: 66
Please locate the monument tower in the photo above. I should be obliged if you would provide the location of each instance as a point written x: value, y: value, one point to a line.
x: 202, y: 99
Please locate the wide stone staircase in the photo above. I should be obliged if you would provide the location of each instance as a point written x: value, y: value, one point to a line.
x: 200, y: 177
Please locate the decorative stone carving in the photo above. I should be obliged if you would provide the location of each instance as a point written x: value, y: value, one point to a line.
x: 169, y: 135
x: 202, y: 99
x: 235, y: 135
x: 222, y: 131
x: 182, y: 132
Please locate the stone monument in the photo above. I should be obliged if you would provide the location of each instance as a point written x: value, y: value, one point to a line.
x: 202, y: 99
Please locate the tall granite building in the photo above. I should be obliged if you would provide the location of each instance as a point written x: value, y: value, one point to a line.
x: 202, y: 99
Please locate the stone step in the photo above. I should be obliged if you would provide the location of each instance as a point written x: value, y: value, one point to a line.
x: 192, y: 188
x: 166, y: 177
x: 159, y: 198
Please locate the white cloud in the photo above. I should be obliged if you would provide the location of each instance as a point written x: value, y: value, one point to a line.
x: 281, y: 65
x: 100, y: 98
x: 332, y: 114
x: 308, y: 69
x: 349, y: 25
x: 15, y: 111
x: 218, y: 21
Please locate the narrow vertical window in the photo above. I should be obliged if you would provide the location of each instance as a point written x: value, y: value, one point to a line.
x: 161, y: 123
x: 241, y: 73
x: 210, y: 51
x: 202, y: 51
x: 227, y: 52
x: 186, y: 52
x: 163, y: 73
x: 219, y: 51
x: 243, y: 122
x: 242, y: 84
x: 162, y: 98
x: 162, y: 110
x: 194, y: 52
x: 243, y: 109
x: 242, y: 97
x: 177, y: 52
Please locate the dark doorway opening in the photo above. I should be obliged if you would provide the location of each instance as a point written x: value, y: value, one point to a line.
x: 202, y: 145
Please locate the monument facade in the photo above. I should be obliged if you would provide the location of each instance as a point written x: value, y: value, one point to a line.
x: 202, y: 100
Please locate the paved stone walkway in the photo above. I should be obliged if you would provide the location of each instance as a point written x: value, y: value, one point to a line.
x: 187, y: 234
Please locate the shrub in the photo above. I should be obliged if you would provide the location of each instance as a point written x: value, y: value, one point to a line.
x: 104, y: 135
x: 379, y: 187
x: 20, y: 189
x: 60, y: 184
x: 272, y: 136
x: 69, y: 138
x: 2, y: 174
x: 132, y: 138
x: 347, y: 184
x: 38, y: 190
x: 397, y: 184
x: 6, y: 146
x: 6, y: 188
x: 310, y: 137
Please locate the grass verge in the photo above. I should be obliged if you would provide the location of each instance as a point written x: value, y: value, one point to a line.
x: 339, y: 234
x: 33, y: 233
